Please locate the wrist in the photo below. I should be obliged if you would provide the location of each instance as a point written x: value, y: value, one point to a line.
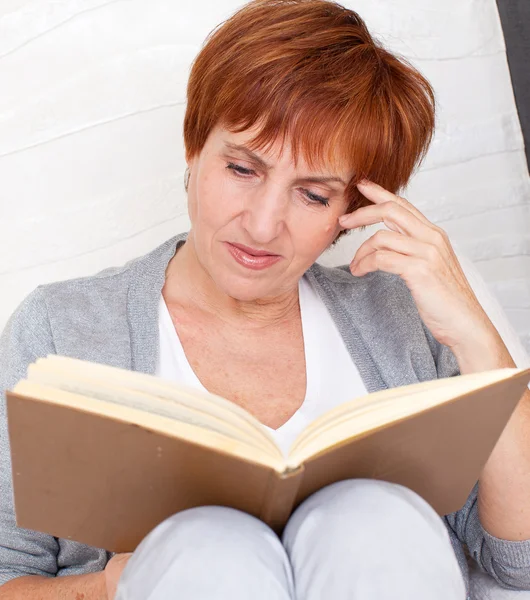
x: 100, y: 585
x: 91, y: 586
x: 482, y: 350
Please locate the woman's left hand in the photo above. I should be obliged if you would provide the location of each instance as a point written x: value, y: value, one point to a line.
x: 421, y: 254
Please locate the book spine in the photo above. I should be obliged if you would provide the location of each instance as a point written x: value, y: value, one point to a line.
x: 280, y: 498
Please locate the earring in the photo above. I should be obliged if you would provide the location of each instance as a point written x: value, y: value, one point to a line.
x: 186, y: 178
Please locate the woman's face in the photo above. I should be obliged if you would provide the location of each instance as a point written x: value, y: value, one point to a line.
x: 257, y: 221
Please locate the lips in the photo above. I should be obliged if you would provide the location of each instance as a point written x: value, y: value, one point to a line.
x: 251, y: 258
x: 252, y: 251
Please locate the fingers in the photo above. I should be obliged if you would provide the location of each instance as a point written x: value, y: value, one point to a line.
x: 378, y: 195
x: 394, y: 216
x: 395, y: 242
x: 390, y: 262
x: 412, y: 244
x: 395, y: 212
x: 122, y: 557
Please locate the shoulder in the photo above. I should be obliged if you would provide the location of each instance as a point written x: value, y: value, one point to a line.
x: 25, y: 336
x: 107, y: 286
x: 86, y: 316
x: 113, y: 277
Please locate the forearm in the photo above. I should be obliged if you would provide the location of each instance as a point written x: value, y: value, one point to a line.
x: 72, y: 587
x: 504, y: 484
x: 504, y: 492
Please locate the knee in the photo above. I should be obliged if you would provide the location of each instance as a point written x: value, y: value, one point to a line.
x: 206, y: 551
x: 371, y: 538
x: 359, y: 508
x: 218, y: 530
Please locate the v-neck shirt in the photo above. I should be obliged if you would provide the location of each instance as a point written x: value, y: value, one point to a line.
x: 331, y: 376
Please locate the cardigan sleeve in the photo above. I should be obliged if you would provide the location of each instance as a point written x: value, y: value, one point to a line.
x: 26, y: 337
x: 508, y: 562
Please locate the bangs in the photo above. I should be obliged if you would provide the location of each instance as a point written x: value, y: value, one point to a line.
x: 308, y: 72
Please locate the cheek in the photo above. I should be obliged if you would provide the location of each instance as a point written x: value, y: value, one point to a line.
x: 314, y: 234
x: 213, y: 202
x: 329, y: 233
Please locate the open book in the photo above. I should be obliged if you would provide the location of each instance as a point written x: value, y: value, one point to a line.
x: 101, y: 455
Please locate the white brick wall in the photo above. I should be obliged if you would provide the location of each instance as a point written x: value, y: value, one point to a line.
x: 91, y: 159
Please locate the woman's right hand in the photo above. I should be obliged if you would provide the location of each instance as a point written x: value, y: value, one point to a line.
x: 113, y: 572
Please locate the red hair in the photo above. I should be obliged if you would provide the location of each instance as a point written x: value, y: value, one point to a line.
x: 309, y: 71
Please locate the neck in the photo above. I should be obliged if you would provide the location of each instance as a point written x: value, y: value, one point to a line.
x: 188, y: 283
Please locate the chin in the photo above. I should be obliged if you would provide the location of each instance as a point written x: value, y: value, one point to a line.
x: 246, y: 290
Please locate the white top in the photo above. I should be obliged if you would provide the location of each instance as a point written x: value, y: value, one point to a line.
x: 332, y: 378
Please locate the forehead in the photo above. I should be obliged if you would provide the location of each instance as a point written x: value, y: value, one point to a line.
x: 279, y: 151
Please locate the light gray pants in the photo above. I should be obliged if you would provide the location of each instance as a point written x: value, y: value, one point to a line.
x: 356, y: 539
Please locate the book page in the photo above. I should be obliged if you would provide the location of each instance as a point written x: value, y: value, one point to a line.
x: 334, y: 415
x: 355, y: 418
x: 209, y: 438
x: 152, y: 394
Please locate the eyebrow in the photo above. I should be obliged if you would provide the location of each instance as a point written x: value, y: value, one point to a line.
x: 264, y: 165
x: 252, y: 155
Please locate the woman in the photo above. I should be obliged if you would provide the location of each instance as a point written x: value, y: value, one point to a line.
x: 293, y: 111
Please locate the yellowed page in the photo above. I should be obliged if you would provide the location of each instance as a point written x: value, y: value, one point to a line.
x: 194, y: 400
x: 370, y: 412
x: 174, y: 428
x: 109, y: 391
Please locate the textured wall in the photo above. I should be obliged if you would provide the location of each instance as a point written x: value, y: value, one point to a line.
x: 91, y: 161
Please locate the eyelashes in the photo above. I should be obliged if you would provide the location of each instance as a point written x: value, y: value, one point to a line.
x: 239, y: 169
x: 244, y: 173
x: 316, y: 198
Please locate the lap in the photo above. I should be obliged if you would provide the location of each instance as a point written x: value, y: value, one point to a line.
x: 350, y: 524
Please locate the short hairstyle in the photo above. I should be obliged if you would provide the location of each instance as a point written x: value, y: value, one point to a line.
x: 309, y: 71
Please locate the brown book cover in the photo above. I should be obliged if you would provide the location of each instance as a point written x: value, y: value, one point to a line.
x: 107, y: 483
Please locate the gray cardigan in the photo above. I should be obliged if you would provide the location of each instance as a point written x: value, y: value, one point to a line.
x: 112, y: 318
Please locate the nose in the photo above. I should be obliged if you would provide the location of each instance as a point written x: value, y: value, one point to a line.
x: 264, y: 214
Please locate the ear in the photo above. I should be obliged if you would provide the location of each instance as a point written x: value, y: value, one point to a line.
x: 190, y: 164
x: 190, y: 160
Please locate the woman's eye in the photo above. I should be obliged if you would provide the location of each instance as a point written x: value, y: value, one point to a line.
x: 315, y: 198
x: 241, y: 171
x: 246, y: 173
